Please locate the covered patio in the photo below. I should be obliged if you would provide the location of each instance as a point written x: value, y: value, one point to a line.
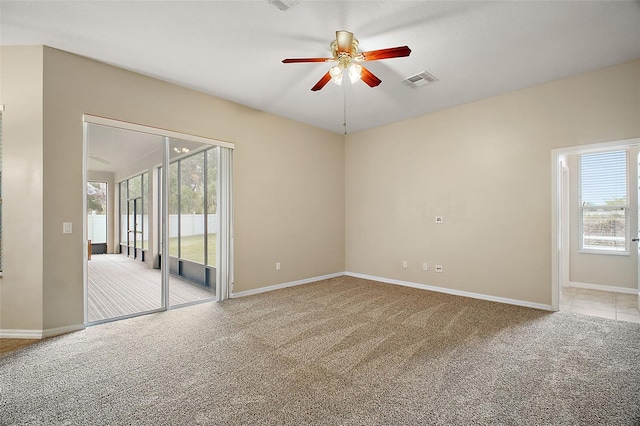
x: 119, y: 286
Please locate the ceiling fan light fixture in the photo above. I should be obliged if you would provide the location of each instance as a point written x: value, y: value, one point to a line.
x: 355, y: 72
x: 336, y: 74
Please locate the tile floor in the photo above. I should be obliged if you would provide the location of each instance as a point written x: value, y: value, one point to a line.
x: 623, y: 307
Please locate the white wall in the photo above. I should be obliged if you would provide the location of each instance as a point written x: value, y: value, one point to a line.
x: 486, y: 168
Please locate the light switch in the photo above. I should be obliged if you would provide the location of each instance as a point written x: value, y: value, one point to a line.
x: 67, y: 228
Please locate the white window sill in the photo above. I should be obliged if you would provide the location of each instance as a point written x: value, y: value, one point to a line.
x: 609, y: 252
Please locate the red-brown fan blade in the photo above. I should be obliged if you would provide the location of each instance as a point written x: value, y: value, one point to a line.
x: 368, y: 77
x: 299, y: 60
x: 344, y: 41
x: 391, y: 52
x: 322, y: 82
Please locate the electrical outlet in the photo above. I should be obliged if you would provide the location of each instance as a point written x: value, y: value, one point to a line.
x: 438, y: 268
x: 278, y: 266
x: 404, y: 264
x: 425, y: 266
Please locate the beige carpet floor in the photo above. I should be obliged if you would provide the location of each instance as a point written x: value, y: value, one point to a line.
x: 343, y: 351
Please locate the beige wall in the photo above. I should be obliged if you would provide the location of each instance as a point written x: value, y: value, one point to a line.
x: 21, y: 292
x: 486, y: 168
x: 288, y: 179
x: 599, y: 269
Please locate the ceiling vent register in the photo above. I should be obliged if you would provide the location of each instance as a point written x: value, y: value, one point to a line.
x: 419, y: 80
x: 283, y: 4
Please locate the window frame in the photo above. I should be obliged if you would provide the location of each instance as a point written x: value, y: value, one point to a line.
x: 124, y: 189
x: 626, y: 208
x: 1, y: 245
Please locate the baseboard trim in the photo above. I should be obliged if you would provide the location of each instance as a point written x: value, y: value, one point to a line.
x: 284, y: 285
x: 62, y: 330
x: 454, y: 292
x: 396, y: 282
x: 599, y: 287
x: 20, y: 334
x: 39, y: 334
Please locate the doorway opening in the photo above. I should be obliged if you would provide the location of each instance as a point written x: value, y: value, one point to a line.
x: 134, y: 274
x: 595, y: 229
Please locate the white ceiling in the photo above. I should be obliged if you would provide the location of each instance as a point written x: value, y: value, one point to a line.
x: 110, y: 149
x: 233, y: 49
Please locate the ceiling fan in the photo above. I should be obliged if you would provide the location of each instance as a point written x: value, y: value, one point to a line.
x: 344, y: 50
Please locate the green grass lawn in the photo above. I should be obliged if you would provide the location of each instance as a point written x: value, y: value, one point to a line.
x: 193, y: 248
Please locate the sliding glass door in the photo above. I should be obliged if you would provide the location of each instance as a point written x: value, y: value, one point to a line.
x: 168, y: 238
x: 124, y: 280
x: 192, y: 222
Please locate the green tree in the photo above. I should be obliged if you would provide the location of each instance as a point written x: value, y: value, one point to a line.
x: 97, y: 197
x: 192, y: 184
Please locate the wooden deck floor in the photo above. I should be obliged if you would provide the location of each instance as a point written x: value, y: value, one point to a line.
x: 120, y: 286
x: 10, y: 345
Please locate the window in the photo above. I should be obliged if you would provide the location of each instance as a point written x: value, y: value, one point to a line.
x: 97, y: 213
x: 0, y: 194
x: 604, y: 202
x: 145, y: 211
x: 123, y: 214
x: 134, y: 213
x: 193, y: 206
x: 212, y: 205
x: 174, y: 210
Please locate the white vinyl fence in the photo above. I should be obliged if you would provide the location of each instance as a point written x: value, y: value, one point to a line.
x: 190, y: 224
x: 97, y: 228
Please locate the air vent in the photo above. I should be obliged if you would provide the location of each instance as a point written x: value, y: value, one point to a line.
x: 420, y: 80
x: 283, y: 4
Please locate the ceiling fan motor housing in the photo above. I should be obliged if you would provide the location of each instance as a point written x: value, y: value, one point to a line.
x: 337, y: 55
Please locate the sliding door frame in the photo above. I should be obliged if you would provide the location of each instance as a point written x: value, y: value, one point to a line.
x: 224, y: 273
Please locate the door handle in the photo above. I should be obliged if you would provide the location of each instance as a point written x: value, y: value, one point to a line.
x: 635, y: 239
